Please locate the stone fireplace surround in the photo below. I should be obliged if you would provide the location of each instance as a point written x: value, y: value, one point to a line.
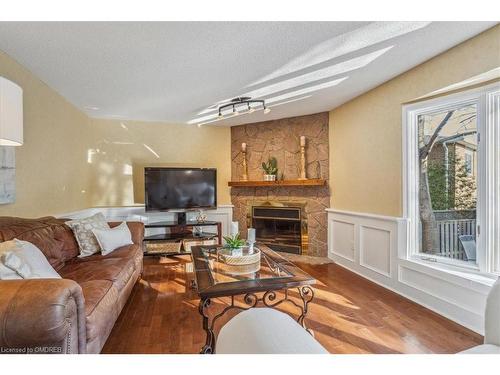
x: 280, y: 138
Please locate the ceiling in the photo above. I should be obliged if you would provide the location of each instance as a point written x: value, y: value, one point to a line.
x: 177, y: 72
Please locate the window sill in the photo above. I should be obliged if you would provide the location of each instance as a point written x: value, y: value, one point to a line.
x: 468, y: 277
x: 447, y: 262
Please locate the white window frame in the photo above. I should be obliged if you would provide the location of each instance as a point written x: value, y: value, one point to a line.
x: 487, y: 100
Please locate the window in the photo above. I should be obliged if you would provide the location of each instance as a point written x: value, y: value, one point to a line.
x: 469, y: 157
x: 452, y: 179
x: 447, y: 190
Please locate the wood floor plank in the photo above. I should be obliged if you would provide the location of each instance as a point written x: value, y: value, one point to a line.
x: 349, y: 314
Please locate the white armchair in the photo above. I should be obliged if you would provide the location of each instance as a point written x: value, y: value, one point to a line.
x: 263, y: 330
x: 491, y: 325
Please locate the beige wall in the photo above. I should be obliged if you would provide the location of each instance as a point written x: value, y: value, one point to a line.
x: 365, y: 133
x: 121, y: 149
x: 70, y: 162
x: 52, y: 173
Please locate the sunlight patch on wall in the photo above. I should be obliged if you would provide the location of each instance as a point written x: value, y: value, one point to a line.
x: 90, y: 155
x: 106, y: 169
x: 151, y: 150
x: 127, y: 170
x: 491, y: 75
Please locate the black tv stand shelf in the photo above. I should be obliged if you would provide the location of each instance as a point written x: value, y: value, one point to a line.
x: 181, y: 232
x: 170, y: 224
x: 178, y: 236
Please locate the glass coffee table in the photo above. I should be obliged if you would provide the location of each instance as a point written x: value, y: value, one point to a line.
x: 256, y: 283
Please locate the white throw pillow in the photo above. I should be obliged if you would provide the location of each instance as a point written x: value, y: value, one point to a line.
x: 113, y: 238
x: 28, y: 261
x: 82, y: 228
x: 17, y: 262
x: 7, y: 273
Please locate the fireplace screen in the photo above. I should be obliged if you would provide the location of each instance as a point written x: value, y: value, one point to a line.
x: 279, y: 227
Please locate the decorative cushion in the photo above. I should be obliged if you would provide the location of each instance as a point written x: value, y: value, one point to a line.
x: 82, y: 228
x: 28, y: 261
x: 7, y: 273
x: 40, y: 232
x: 113, y: 238
x: 17, y: 262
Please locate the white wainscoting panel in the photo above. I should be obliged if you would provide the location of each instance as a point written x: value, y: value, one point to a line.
x: 342, y: 243
x: 374, y: 247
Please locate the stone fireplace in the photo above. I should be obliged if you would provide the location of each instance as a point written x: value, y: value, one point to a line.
x: 305, y: 232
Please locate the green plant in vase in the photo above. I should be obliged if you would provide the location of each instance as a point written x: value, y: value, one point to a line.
x: 234, y: 242
x: 270, y: 169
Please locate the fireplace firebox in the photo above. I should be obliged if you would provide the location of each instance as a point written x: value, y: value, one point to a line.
x: 280, y: 228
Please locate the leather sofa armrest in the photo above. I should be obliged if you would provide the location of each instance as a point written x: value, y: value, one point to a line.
x: 42, y: 316
x: 136, y: 228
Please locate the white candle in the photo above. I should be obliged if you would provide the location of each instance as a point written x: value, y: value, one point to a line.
x: 251, y: 235
x: 302, y: 141
x: 234, y: 228
x: 244, y: 147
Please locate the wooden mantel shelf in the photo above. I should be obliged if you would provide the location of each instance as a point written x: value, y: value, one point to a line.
x: 308, y: 182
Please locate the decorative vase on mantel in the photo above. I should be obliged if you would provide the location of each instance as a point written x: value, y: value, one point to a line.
x: 269, y: 177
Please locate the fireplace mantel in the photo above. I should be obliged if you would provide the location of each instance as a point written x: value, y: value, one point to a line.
x: 308, y: 182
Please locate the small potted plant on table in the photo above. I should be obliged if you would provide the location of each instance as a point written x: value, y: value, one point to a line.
x: 270, y: 169
x: 237, y: 257
x: 235, y: 244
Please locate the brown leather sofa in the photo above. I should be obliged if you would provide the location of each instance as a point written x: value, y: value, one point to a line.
x: 74, y: 314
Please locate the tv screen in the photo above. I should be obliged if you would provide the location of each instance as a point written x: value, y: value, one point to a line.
x: 180, y: 188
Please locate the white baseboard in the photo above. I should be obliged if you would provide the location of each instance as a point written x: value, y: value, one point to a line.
x: 374, y: 247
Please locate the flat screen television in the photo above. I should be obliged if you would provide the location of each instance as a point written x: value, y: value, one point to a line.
x: 180, y: 188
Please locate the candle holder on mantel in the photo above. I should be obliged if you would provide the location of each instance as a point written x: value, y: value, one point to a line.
x: 244, y: 177
x: 302, y: 158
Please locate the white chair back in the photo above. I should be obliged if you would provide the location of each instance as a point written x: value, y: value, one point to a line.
x: 492, y: 316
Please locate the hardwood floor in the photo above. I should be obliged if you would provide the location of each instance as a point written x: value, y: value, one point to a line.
x: 348, y: 315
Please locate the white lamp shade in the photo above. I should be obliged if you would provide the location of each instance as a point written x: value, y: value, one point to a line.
x: 11, y: 113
